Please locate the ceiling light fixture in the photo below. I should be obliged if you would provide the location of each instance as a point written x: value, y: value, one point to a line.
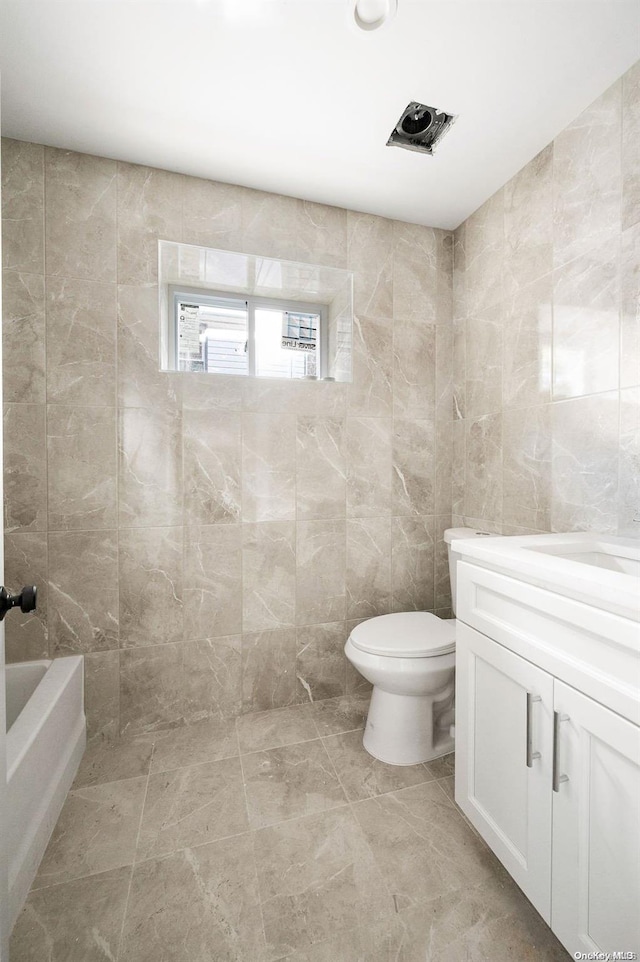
x: 371, y: 14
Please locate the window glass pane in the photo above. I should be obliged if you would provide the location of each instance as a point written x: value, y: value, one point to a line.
x: 213, y: 335
x: 286, y: 343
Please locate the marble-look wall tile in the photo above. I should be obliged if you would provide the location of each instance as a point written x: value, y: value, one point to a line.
x: 483, y: 354
x: 369, y: 466
x: 140, y: 382
x: 151, y: 689
x: 444, y: 371
x: 587, y: 179
x: 268, y: 669
x: 458, y: 466
x: 414, y: 459
x: 368, y: 567
x: 81, y: 341
x: 22, y: 206
x: 81, y: 477
x: 211, y: 214
x: 370, y: 392
x: 526, y: 444
x: 149, y: 209
x: 25, y: 467
x: 629, y: 493
x: 80, y: 215
x: 270, y: 224
x: 212, y: 678
x: 415, y: 272
x: 526, y: 345
x: 83, y: 591
x: 201, y: 392
x: 268, y: 575
x: 459, y: 369
x: 102, y: 694
x: 630, y: 147
x: 25, y: 562
x: 320, y: 468
x: 443, y: 477
x: 412, y: 563
x: 528, y: 220
x: 630, y: 308
x: 586, y: 306
x: 370, y: 256
x: 212, y: 465
x: 442, y: 581
x: 484, y: 245
x: 320, y: 661
x: 585, y: 463
x: 150, y: 468
x: 150, y: 586
x: 322, y: 234
x: 23, y: 338
x: 212, y: 573
x: 269, y: 467
x: 320, y: 572
x: 483, y: 476
x: 414, y: 359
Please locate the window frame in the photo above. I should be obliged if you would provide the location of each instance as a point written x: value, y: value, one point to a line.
x: 251, y: 302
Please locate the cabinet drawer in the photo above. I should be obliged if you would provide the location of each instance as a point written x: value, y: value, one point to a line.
x: 592, y: 650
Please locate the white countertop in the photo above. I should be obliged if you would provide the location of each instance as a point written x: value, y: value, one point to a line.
x: 614, y: 591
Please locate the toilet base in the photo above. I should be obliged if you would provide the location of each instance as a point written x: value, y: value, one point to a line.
x: 400, y: 728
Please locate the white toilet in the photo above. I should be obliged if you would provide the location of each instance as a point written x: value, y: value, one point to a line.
x: 409, y: 658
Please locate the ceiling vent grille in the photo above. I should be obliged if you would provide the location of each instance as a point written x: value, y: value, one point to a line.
x: 420, y: 128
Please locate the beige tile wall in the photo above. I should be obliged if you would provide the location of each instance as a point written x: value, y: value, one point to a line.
x: 207, y: 543
x: 547, y: 359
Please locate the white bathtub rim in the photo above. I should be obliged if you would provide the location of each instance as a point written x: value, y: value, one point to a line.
x: 33, y: 716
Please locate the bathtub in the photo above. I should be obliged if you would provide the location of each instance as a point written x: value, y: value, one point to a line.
x: 46, y: 735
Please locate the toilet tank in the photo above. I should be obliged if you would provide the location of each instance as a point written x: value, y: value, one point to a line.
x: 452, y: 535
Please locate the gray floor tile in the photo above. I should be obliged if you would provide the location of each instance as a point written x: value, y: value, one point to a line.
x: 316, y: 875
x: 443, y: 766
x: 77, y: 921
x: 197, y: 905
x: 363, y: 776
x: 289, y: 782
x: 112, y: 761
x: 422, y: 845
x: 203, y: 741
x: 190, y: 806
x: 335, y: 715
x: 272, y: 729
x: 96, y: 831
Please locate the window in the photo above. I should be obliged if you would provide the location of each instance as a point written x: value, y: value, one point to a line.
x: 246, y: 335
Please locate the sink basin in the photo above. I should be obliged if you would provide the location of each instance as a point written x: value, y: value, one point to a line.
x: 599, y: 553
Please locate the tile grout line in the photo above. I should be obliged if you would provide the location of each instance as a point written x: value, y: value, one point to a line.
x: 133, y: 866
x: 251, y: 832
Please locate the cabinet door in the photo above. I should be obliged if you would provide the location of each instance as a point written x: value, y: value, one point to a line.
x: 504, y: 705
x: 596, y: 827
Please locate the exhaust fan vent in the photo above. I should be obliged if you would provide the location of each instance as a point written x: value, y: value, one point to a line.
x: 420, y: 128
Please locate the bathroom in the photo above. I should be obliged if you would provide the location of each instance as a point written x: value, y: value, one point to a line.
x: 204, y: 546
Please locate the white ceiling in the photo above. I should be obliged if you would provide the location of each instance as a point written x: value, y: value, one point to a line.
x: 291, y: 97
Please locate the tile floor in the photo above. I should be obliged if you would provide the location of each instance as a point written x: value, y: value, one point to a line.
x: 272, y: 838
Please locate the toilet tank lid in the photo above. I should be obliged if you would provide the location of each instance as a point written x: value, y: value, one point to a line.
x: 457, y: 534
x: 405, y: 634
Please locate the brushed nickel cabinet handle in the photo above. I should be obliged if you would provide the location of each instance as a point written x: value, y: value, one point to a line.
x: 557, y: 778
x: 530, y: 752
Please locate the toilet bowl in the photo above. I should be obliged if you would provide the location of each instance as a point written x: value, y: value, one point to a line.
x: 409, y: 658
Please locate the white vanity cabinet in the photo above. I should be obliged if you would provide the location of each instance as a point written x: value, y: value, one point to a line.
x: 548, y: 774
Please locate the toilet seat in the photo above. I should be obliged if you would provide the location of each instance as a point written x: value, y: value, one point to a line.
x: 406, y: 634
